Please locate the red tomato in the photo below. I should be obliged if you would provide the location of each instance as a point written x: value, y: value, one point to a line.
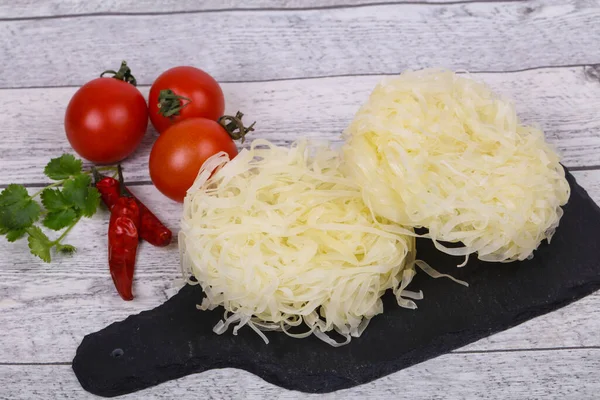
x: 203, y: 93
x: 180, y: 151
x: 106, y: 120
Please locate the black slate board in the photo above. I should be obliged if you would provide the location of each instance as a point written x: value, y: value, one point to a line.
x: 175, y: 339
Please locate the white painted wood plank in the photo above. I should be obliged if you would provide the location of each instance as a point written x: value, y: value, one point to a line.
x: 564, y: 374
x: 46, y: 8
x: 47, y: 309
x: 563, y: 101
x: 263, y: 45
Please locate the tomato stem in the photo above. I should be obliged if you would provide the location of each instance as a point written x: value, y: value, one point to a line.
x: 170, y: 103
x: 123, y: 74
x: 235, y: 127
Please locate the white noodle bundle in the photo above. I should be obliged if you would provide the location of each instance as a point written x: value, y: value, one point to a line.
x: 279, y: 237
x: 435, y: 150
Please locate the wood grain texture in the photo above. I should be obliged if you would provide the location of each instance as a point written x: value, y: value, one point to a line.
x: 563, y: 101
x: 49, y: 8
x: 508, y: 376
x: 53, y: 306
x: 266, y: 45
x: 45, y: 310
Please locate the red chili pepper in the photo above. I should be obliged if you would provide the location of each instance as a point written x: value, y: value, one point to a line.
x: 122, y: 247
x: 123, y: 241
x: 108, y: 188
x: 151, y: 229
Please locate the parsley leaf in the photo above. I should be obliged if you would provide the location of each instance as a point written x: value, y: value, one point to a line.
x: 58, y: 220
x: 63, y: 167
x: 17, y: 208
x: 54, y: 200
x: 39, y: 244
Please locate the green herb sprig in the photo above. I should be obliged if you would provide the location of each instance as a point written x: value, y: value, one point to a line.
x: 64, y: 202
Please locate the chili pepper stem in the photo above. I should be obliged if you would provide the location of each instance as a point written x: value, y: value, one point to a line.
x: 96, y: 172
x: 107, y: 168
x: 96, y: 175
x: 122, y: 189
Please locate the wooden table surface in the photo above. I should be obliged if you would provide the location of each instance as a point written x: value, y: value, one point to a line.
x: 299, y: 68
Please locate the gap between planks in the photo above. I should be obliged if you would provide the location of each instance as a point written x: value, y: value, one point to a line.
x: 260, y: 9
x: 43, y: 185
x: 149, y: 183
x: 449, y: 353
x: 333, y: 76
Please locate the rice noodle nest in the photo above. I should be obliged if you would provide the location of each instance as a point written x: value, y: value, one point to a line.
x: 279, y: 238
x: 431, y: 149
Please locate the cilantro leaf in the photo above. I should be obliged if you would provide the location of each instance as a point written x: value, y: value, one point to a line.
x: 54, y: 200
x: 92, y: 201
x: 36, y: 232
x: 21, y: 215
x: 66, y: 248
x: 39, y: 244
x: 75, y: 191
x: 63, y: 167
x: 13, y: 235
x: 17, y: 208
x: 13, y: 194
x: 58, y: 220
x: 79, y: 193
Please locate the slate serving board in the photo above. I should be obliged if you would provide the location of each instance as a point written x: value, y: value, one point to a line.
x: 176, y: 339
